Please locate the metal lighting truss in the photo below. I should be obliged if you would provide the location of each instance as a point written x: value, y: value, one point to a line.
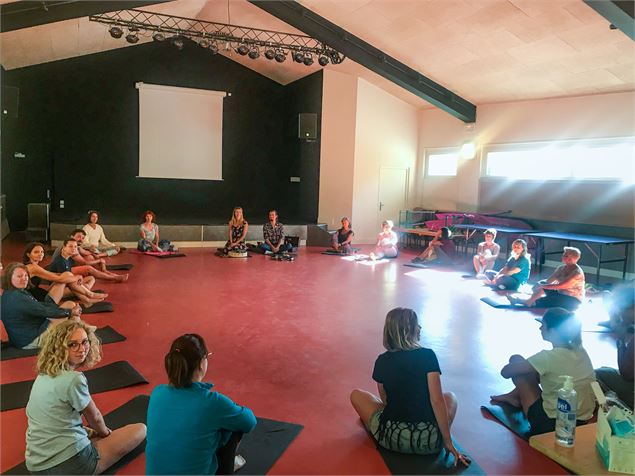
x: 221, y: 34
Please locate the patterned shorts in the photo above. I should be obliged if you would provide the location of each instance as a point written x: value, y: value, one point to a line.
x: 417, y: 438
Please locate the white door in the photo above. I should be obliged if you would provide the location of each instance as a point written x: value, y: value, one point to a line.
x: 393, y: 193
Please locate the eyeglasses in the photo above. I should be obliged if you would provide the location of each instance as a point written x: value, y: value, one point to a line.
x: 74, y: 345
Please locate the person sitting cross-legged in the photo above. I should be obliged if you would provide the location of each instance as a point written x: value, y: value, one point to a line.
x: 538, y: 378
x: 273, y: 234
x: 515, y: 272
x: 412, y: 414
x: 486, y: 253
x: 342, y: 238
x: 564, y: 288
x: 209, y: 425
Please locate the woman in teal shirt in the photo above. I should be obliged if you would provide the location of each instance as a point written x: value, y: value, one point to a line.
x: 191, y: 429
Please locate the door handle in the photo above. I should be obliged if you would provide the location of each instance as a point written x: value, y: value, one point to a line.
x: 381, y: 205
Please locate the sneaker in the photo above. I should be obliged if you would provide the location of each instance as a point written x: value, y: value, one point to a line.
x: 239, y: 462
x: 480, y: 276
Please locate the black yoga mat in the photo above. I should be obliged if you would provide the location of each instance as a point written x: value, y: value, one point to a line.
x: 417, y: 265
x: 512, y: 417
x: 107, y: 335
x: 109, y: 377
x: 501, y: 302
x: 265, y: 444
x: 103, y: 306
x: 134, y: 411
x: 441, y: 463
x: 119, y: 267
x: 171, y: 255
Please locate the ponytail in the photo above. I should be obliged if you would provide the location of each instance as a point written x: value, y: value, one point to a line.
x: 184, y: 357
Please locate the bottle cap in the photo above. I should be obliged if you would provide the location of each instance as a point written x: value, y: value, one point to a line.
x: 568, y: 382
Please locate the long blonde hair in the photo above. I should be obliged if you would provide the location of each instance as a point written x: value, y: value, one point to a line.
x: 401, y: 330
x: 53, y: 357
x: 233, y: 221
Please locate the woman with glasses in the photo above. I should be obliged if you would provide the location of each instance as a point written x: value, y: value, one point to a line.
x: 412, y: 413
x: 56, y: 440
x: 208, y: 424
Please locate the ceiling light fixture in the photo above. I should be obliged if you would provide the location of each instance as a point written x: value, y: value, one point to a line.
x: 277, y: 45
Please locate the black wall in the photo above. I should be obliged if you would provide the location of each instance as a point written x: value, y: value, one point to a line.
x: 78, y: 126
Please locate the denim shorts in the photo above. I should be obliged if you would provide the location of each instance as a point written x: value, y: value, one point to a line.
x: 84, y: 462
x: 421, y: 438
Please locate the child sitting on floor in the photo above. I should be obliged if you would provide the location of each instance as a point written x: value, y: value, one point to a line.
x: 486, y: 253
x: 564, y: 288
x: 441, y: 249
x: 515, y: 272
x: 538, y: 378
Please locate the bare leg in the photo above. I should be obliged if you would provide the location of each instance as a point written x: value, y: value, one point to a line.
x: 451, y: 406
x: 56, y: 291
x: 477, y: 264
x: 118, y: 444
x: 107, y: 276
x: 537, y: 294
x: 366, y: 405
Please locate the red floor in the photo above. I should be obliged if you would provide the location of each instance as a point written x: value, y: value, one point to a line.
x: 292, y: 339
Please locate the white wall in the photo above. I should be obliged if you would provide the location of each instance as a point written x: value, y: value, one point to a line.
x: 386, y: 135
x: 606, y: 115
x: 337, y: 152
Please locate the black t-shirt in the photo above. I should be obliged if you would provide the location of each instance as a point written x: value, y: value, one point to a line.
x: 404, y: 375
x: 60, y: 264
x: 342, y: 235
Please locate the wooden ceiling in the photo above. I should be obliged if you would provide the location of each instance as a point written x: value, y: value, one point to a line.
x: 483, y: 50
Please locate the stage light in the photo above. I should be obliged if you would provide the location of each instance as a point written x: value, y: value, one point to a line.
x: 280, y: 56
x: 245, y: 41
x: 132, y: 37
x: 178, y: 42
x: 254, y: 52
x: 115, y: 32
x: 242, y: 49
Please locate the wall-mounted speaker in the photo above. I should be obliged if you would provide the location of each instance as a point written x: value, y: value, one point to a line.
x: 307, y: 125
x: 10, y: 98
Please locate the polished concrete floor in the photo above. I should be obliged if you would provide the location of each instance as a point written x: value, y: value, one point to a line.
x: 292, y: 339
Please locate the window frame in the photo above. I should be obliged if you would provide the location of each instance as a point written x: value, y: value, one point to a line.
x: 528, y: 146
x: 441, y: 151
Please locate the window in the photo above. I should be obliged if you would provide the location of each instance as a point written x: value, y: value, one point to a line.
x: 442, y: 163
x: 598, y: 159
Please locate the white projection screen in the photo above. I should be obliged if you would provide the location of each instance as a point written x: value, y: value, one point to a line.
x: 180, y: 132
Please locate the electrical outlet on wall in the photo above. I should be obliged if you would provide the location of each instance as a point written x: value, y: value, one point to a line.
x: 61, y: 203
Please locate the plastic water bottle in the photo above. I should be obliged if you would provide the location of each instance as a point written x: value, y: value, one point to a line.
x: 566, y: 413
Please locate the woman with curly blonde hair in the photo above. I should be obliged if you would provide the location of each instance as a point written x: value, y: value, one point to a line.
x: 56, y: 440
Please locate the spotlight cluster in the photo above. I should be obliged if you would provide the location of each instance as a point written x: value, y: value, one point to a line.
x: 251, y: 42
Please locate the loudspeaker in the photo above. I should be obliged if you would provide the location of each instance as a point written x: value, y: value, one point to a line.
x: 307, y: 125
x: 10, y: 98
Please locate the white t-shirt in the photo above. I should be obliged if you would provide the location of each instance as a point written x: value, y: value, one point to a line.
x: 552, y: 364
x: 55, y: 432
x: 95, y: 236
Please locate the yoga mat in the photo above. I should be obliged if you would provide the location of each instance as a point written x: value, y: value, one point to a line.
x: 400, y: 463
x: 103, y: 306
x: 134, y: 411
x: 107, y: 335
x: 337, y: 253
x: 109, y: 377
x: 265, y: 444
x: 417, y: 265
x: 512, y: 417
x: 118, y: 267
x: 167, y: 255
x: 501, y: 302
